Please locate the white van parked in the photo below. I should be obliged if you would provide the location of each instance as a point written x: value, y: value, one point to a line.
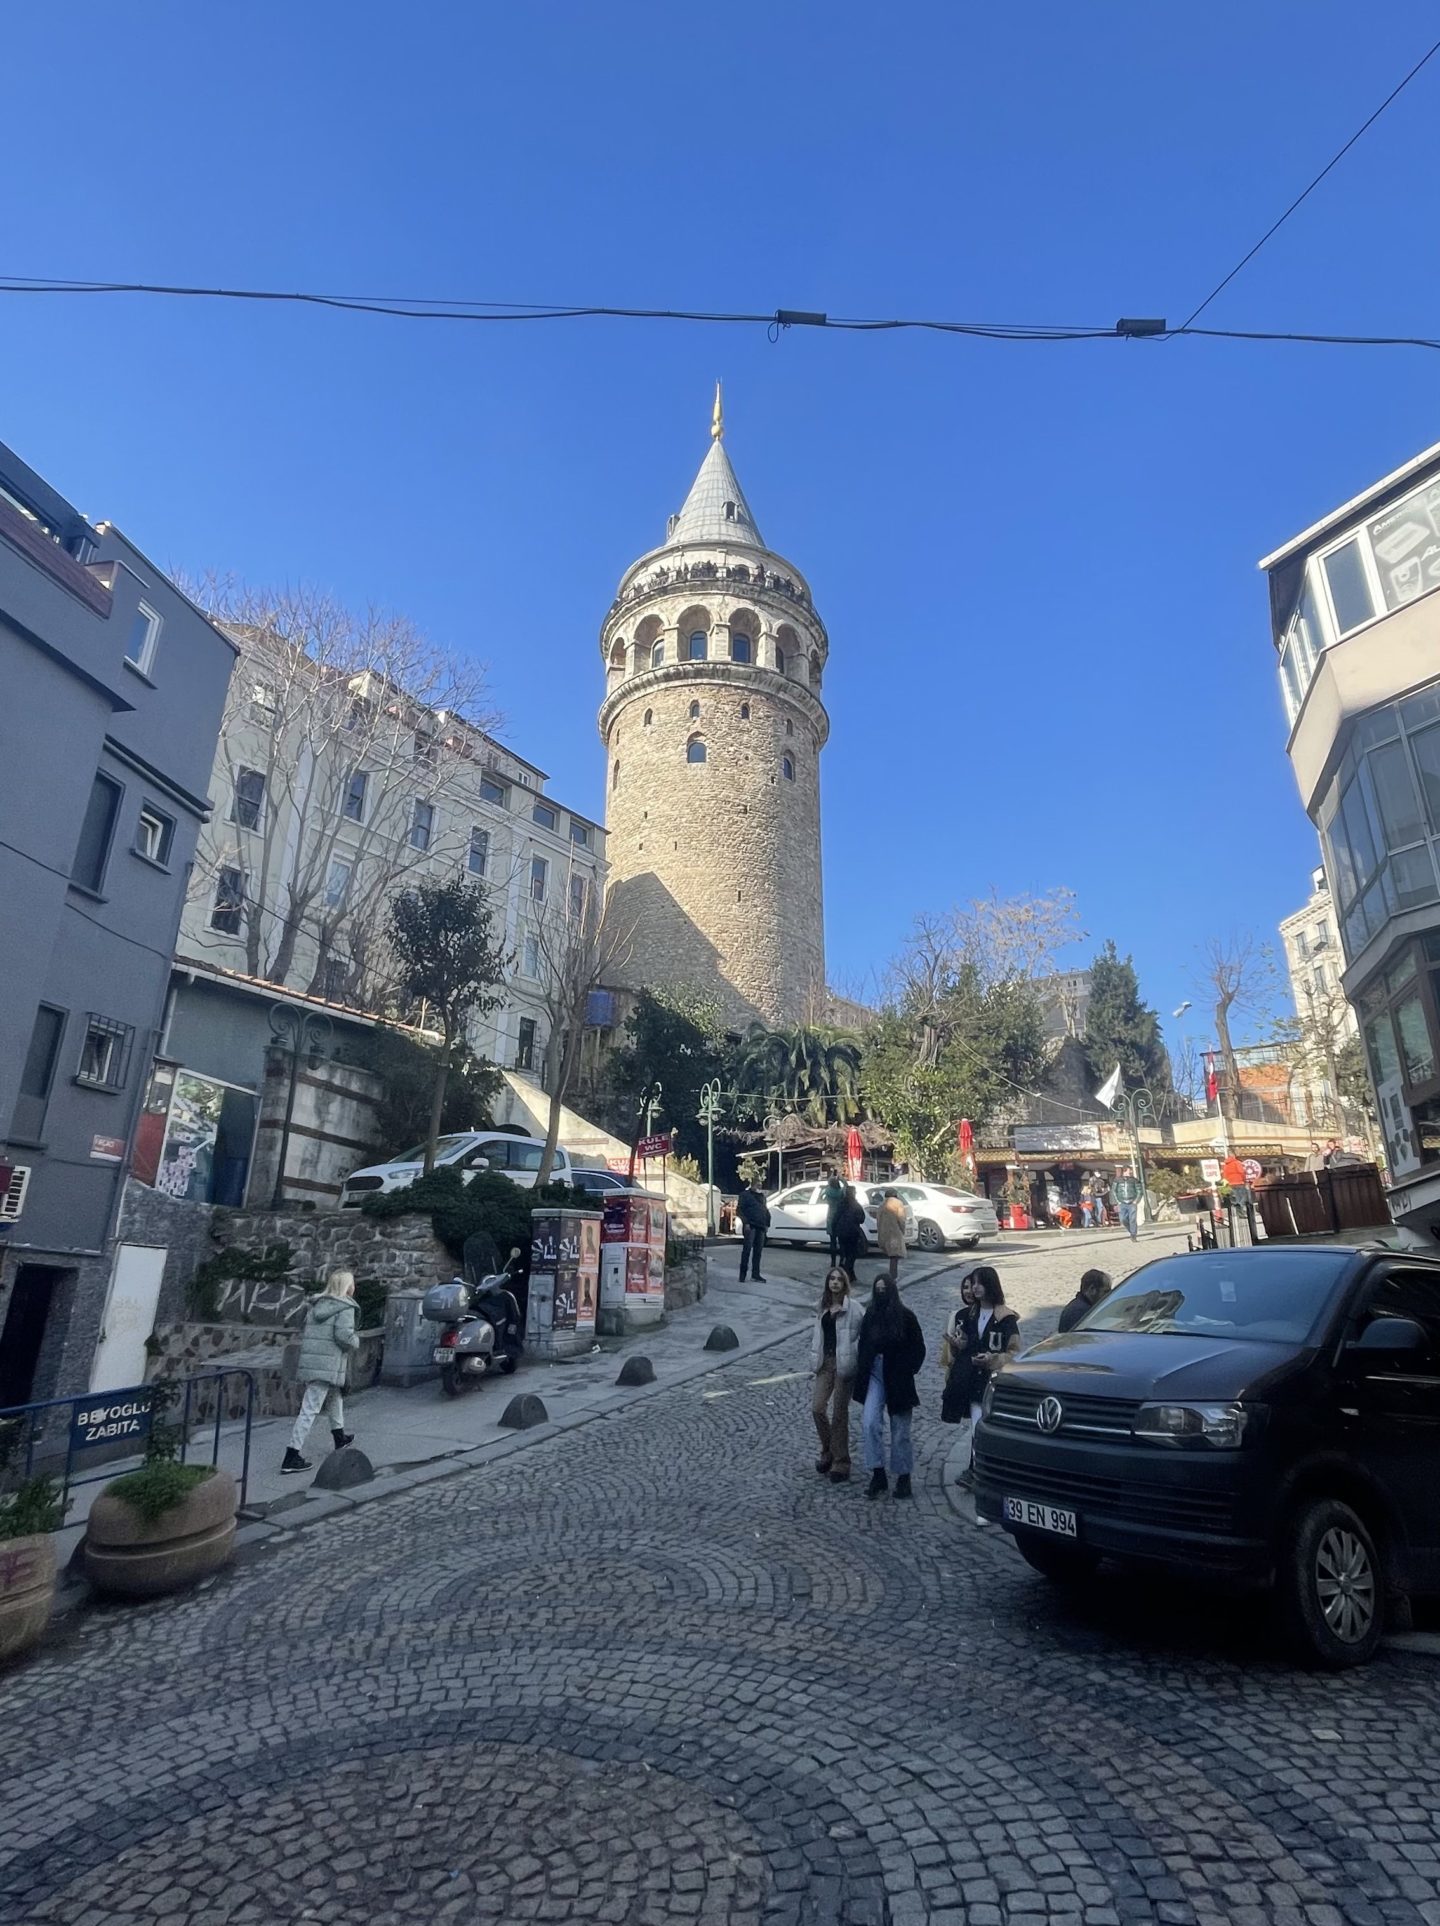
x: 517, y: 1158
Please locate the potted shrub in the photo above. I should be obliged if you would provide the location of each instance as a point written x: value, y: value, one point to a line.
x: 28, y: 1515
x: 164, y: 1526
x: 1017, y: 1198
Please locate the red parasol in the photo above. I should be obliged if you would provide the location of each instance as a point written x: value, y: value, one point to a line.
x: 854, y: 1155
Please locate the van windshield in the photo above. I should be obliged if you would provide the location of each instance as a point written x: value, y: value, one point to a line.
x: 445, y: 1147
x: 1261, y: 1296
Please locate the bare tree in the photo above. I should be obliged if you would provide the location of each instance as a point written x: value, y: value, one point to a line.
x: 1240, y: 977
x: 578, y: 943
x: 342, y: 732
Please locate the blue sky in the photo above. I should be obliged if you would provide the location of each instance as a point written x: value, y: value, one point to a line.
x: 1050, y: 660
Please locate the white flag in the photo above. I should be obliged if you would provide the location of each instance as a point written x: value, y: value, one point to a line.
x: 1110, y: 1089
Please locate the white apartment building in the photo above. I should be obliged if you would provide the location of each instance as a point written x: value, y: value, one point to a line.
x: 1314, y: 963
x: 328, y: 802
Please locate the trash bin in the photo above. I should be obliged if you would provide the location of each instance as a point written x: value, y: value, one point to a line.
x: 409, y: 1341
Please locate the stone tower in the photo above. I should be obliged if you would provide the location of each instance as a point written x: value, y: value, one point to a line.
x: 713, y: 726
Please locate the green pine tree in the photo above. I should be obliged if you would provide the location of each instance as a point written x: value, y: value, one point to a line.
x: 1120, y: 1028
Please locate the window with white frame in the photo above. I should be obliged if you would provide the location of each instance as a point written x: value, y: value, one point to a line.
x: 539, y: 878
x: 229, y: 902
x: 579, y: 834
x: 578, y: 887
x: 422, y: 825
x: 337, y: 882
x: 249, y: 803
x: 104, y: 1053
x: 525, y: 1047
x: 335, y: 978
x: 493, y: 792
x: 144, y: 639
x: 154, y: 834
x: 543, y: 816
x: 477, y: 859
x: 530, y: 957
x: 352, y: 805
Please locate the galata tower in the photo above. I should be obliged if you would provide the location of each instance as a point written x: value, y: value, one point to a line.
x: 713, y: 725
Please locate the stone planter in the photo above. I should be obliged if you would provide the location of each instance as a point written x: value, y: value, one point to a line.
x: 132, y: 1557
x: 27, y: 1590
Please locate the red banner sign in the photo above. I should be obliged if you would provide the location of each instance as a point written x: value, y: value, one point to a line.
x: 653, y: 1147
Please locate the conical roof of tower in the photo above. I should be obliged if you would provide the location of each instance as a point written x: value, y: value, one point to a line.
x: 715, y: 509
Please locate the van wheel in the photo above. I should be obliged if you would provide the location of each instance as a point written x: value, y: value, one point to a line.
x: 1062, y: 1564
x: 930, y: 1236
x: 1329, y: 1586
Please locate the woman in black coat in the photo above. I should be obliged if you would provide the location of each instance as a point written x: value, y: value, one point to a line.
x: 997, y: 1336
x: 891, y: 1350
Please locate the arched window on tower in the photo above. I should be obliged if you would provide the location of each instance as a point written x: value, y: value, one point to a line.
x: 694, y: 711
x: 615, y: 774
x: 780, y: 661
x: 789, y: 728
x: 739, y: 648
x: 699, y: 645
x: 649, y: 717
x: 657, y: 655
x: 729, y: 511
x: 617, y: 653
x: 814, y: 672
x: 695, y: 750
x: 787, y: 768
x: 744, y: 711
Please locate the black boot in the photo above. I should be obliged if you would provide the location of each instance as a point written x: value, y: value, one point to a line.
x: 292, y: 1460
x: 902, y: 1486
x: 342, y: 1438
x: 878, y: 1486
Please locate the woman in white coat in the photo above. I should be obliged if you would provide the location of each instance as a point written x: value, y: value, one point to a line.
x: 832, y: 1360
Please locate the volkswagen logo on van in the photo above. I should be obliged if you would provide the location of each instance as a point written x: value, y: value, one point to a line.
x: 1048, y: 1414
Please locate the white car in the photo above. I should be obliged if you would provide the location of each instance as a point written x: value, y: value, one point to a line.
x: 798, y: 1217
x: 943, y: 1215
x: 517, y: 1158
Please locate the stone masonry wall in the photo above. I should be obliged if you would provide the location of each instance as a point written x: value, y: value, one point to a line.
x: 715, y: 866
x: 394, y: 1251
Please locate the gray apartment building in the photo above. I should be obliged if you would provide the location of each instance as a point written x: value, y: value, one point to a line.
x: 112, y: 687
x: 1355, y: 620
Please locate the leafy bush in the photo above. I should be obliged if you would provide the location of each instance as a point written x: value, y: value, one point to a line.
x: 35, y: 1505
x: 158, y: 1486
x: 488, y: 1204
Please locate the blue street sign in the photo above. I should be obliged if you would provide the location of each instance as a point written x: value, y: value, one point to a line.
x: 121, y: 1417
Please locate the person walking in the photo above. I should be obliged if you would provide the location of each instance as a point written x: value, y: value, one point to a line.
x: 1127, y: 1202
x: 957, y: 1349
x: 1093, y: 1286
x: 891, y: 1349
x: 1087, y: 1207
x: 328, y: 1339
x: 833, y: 1352
x: 997, y: 1336
x: 890, y: 1230
x: 849, y: 1229
x: 754, y: 1222
x: 832, y: 1197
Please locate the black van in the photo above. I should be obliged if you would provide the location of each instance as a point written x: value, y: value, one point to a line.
x: 1266, y: 1418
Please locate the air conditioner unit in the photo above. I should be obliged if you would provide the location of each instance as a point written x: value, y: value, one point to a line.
x: 12, y: 1199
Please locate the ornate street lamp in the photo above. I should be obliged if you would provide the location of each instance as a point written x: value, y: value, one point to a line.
x: 709, y: 1105
x: 1137, y: 1107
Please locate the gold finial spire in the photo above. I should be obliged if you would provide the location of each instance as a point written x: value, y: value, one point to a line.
x: 717, y: 418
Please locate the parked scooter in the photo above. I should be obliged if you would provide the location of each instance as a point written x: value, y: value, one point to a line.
x: 483, y: 1330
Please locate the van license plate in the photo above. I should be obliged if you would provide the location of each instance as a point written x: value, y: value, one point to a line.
x: 1022, y: 1511
x: 443, y: 1354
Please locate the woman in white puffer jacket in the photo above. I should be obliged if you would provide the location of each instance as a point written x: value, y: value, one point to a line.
x: 832, y: 1360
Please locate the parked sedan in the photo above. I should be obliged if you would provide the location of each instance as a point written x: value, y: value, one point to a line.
x: 942, y: 1214
x: 798, y: 1218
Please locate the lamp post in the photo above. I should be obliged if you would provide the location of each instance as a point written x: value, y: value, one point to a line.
x: 294, y: 1030
x: 1137, y: 1107
x: 709, y: 1103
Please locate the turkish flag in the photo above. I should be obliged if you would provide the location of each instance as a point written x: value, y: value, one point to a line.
x: 966, y: 1136
x: 854, y: 1155
x: 1212, y: 1082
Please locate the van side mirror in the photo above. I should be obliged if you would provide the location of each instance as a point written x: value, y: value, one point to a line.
x: 1391, y: 1335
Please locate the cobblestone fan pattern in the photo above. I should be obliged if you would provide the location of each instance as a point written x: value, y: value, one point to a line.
x: 657, y: 1670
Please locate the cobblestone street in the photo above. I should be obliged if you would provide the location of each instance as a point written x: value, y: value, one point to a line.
x: 657, y: 1670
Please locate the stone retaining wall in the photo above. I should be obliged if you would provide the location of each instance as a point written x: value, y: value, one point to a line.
x: 393, y: 1251
x: 685, y: 1283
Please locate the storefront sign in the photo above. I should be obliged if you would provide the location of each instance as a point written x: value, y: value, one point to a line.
x: 648, y: 1147
x: 107, y: 1150
x: 117, y: 1417
x: 1061, y: 1137
x: 1209, y: 1170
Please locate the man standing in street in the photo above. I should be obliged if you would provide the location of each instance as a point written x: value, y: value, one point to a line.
x: 832, y: 1197
x: 1093, y: 1286
x: 754, y: 1222
x: 1126, y: 1191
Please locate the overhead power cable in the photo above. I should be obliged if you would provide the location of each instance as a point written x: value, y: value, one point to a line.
x: 1334, y: 161
x: 777, y: 322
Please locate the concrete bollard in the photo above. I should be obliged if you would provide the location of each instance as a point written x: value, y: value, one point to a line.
x: 343, y: 1468
x: 636, y: 1371
x: 722, y: 1338
x: 524, y: 1412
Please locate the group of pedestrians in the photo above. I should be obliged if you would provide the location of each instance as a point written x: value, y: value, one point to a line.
x: 871, y: 1357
